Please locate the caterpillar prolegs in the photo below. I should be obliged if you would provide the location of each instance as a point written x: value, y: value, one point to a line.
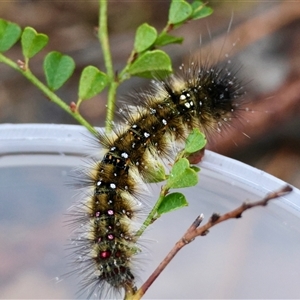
x: 201, y: 97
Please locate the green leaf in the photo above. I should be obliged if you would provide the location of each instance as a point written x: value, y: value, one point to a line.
x: 182, y: 175
x: 9, y: 34
x: 172, y: 202
x: 32, y: 42
x: 151, y: 62
x: 195, y: 141
x: 179, y: 11
x: 196, y: 169
x: 144, y: 38
x: 92, y: 82
x: 58, y: 68
x: 165, y: 39
x: 200, y: 10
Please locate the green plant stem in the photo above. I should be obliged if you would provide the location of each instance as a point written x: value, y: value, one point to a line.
x: 111, y: 101
x: 103, y: 38
x: 112, y: 88
x: 49, y: 94
x: 152, y: 215
x: 163, y: 192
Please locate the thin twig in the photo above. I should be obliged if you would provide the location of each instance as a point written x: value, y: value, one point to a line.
x: 113, y: 84
x: 26, y: 72
x: 194, y: 230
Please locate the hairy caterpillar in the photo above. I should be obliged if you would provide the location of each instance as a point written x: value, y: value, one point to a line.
x: 202, y: 97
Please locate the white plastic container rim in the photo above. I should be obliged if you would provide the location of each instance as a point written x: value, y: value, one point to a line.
x: 74, y: 140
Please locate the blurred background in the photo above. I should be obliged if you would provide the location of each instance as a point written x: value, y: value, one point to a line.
x: 262, y: 40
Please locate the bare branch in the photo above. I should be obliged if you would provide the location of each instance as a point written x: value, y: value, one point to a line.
x: 237, y: 213
x: 194, y: 230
